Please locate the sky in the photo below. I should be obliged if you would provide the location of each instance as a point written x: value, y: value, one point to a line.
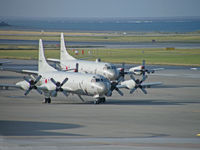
x: 99, y: 8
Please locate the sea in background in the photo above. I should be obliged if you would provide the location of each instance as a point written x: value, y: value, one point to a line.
x: 177, y: 24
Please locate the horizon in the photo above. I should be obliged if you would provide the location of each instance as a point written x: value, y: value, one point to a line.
x: 99, y: 9
x: 82, y: 18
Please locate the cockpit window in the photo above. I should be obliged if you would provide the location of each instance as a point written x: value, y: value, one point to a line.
x: 109, y: 67
x: 113, y: 67
x: 98, y: 80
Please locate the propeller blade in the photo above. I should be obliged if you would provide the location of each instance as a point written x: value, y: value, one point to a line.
x: 26, y: 79
x: 54, y: 82
x: 132, y: 77
x: 109, y: 93
x: 120, y: 92
x: 114, y: 87
x: 143, y: 90
x: 64, y: 81
x: 38, y: 78
x: 81, y: 98
x: 143, y: 79
x: 27, y: 92
x: 65, y: 93
x: 143, y: 63
x: 39, y: 91
x: 120, y: 79
x: 132, y: 90
x: 54, y: 93
x: 32, y: 77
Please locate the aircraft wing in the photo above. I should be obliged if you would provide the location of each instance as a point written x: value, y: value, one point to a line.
x: 29, y: 72
x: 21, y: 71
x: 144, y: 85
x: 150, y: 84
x: 6, y: 86
x: 53, y: 60
x: 194, y: 68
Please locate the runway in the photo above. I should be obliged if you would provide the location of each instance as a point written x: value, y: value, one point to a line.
x: 168, y: 117
x: 178, y: 45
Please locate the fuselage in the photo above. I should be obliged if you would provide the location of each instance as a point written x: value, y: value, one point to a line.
x: 107, y: 70
x: 78, y: 83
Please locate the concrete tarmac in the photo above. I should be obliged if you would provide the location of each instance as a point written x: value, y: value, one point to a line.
x: 168, y: 117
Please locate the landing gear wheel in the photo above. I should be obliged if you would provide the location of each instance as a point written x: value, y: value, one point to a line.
x: 100, y: 100
x: 49, y: 100
x: 103, y: 100
x: 44, y: 101
x: 97, y: 101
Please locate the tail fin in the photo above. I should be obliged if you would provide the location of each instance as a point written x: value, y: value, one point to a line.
x: 43, y: 66
x: 64, y: 55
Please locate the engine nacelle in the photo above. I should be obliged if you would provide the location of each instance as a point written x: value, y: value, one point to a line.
x: 136, y: 70
x: 130, y: 84
x: 23, y: 85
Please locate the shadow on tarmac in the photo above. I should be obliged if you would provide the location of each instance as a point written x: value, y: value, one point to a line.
x: 148, y: 102
x: 30, y: 128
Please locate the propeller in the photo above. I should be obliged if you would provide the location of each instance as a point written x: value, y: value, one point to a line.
x: 138, y: 84
x: 122, y: 72
x: 114, y: 86
x: 59, y: 86
x: 32, y: 84
x: 144, y: 70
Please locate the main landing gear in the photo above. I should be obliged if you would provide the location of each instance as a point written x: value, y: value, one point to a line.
x: 47, y: 100
x: 100, y: 100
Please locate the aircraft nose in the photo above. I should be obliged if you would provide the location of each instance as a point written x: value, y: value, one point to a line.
x: 112, y: 75
x: 102, y: 88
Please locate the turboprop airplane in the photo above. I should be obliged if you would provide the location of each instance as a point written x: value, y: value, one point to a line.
x: 68, y: 62
x: 108, y: 70
x: 49, y: 82
x: 142, y: 70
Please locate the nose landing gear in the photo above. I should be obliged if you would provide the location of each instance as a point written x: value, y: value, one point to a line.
x: 47, y: 100
x: 100, y: 100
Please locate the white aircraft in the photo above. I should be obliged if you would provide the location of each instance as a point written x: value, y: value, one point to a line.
x: 108, y: 70
x: 141, y: 70
x: 194, y: 68
x: 50, y: 81
x: 67, y: 62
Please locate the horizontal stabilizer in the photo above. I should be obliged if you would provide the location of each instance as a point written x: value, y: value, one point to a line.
x: 53, y: 60
x: 30, y: 72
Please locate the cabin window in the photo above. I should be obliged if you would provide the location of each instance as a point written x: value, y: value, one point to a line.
x: 98, y: 80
